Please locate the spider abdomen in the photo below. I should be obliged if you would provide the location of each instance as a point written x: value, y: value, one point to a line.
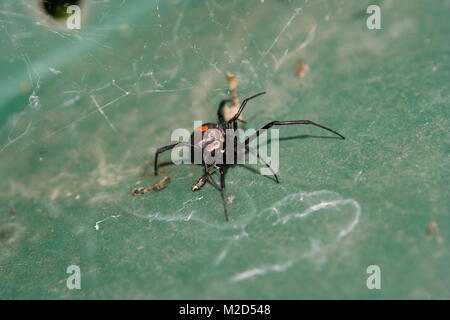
x: 208, y: 141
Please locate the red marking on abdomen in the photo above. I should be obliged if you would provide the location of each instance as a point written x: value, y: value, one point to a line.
x: 203, y: 128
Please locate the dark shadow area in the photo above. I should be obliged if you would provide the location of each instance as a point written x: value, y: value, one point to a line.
x: 307, y: 136
x: 57, y: 9
x: 149, y: 165
x: 256, y: 171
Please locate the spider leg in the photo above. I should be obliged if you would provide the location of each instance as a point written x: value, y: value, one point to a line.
x: 285, y: 123
x: 205, y: 177
x: 241, y: 108
x: 256, y: 153
x: 170, y: 147
x: 222, y: 191
x: 213, y: 182
x: 210, y: 178
x: 220, y: 112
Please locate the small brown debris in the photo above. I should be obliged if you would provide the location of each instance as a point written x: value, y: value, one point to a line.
x: 162, y: 184
x: 13, y: 212
x: 230, y: 111
x: 301, y: 69
x: 233, y: 81
x: 231, y: 198
x: 431, y: 227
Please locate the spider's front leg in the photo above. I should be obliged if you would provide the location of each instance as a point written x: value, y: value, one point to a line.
x: 170, y: 147
x: 161, y: 150
x: 286, y: 123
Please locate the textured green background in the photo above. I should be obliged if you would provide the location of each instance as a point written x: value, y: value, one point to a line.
x: 347, y: 204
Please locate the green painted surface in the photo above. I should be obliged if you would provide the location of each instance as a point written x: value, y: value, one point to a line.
x: 64, y: 169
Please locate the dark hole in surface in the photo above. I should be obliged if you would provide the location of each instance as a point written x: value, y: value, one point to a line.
x: 58, y: 8
x: 6, y: 234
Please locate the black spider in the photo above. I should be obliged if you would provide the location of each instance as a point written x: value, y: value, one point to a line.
x: 211, y: 138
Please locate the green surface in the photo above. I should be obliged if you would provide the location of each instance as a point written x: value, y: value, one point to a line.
x: 64, y: 169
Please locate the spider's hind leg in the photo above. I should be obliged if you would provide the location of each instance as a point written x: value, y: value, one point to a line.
x: 256, y: 153
x: 222, y: 191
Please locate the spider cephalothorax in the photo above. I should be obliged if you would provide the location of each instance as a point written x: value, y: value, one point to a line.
x: 209, y: 143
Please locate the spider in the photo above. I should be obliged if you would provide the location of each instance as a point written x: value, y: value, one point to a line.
x: 211, y: 139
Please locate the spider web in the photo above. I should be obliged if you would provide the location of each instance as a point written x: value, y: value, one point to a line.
x: 82, y: 113
x: 122, y: 78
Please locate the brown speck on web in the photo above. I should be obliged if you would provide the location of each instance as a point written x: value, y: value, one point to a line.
x: 301, y: 69
x: 431, y: 227
x: 230, y: 111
